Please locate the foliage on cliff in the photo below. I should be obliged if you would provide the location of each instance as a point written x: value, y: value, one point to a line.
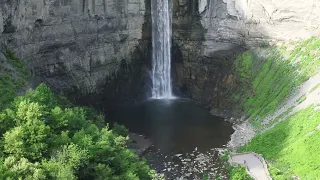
x: 43, y: 137
x: 268, y: 78
x: 13, y: 76
x: 292, y: 147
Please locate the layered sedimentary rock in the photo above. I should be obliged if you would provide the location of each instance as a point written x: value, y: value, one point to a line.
x: 209, y: 33
x: 75, y: 44
x: 102, y: 46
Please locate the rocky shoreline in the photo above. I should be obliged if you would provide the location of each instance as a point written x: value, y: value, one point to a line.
x: 243, y: 133
x: 194, y: 165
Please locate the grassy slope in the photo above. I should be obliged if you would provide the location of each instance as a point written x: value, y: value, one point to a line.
x: 267, y: 82
x: 291, y: 148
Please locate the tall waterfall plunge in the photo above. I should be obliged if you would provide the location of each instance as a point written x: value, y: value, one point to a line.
x: 161, y: 49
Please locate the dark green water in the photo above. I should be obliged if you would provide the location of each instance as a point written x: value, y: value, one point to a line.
x: 175, y: 125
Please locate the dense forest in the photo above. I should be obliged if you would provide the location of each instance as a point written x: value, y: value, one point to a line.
x: 44, y: 136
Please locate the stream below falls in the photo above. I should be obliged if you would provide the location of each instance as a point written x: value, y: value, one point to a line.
x: 184, y: 137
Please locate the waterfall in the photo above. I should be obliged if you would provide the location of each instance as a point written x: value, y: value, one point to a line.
x: 161, y: 49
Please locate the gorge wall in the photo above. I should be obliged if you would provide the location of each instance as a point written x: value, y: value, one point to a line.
x: 103, y: 46
x: 209, y: 33
x: 80, y: 46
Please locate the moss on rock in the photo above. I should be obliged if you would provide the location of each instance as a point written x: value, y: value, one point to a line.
x: 13, y: 76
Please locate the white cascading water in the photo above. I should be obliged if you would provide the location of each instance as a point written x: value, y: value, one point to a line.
x: 161, y: 49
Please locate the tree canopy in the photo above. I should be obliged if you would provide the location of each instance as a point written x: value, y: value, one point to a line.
x: 45, y: 137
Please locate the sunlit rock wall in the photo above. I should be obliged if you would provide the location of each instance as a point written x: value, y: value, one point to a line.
x: 209, y: 33
x: 256, y: 20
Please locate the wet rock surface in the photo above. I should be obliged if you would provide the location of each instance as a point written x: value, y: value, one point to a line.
x: 139, y: 143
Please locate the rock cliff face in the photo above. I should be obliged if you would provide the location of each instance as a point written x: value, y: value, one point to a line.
x: 205, y: 50
x: 103, y: 46
x: 78, y: 45
x: 209, y: 33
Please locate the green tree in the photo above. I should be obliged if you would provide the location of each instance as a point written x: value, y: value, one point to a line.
x: 21, y: 168
x: 45, y: 137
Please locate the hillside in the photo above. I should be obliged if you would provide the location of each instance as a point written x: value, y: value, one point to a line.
x: 281, y: 100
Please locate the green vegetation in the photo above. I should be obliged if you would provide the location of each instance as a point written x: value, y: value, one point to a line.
x: 205, y: 176
x: 42, y: 138
x: 13, y: 76
x: 45, y: 137
x: 273, y: 78
x: 301, y: 99
x: 244, y: 65
x: 235, y: 173
x: 239, y: 173
x: 280, y: 117
x: 291, y: 148
x: 225, y: 156
x: 314, y: 88
x: 16, y: 63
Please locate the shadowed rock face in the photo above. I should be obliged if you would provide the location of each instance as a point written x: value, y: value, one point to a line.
x: 78, y: 45
x: 89, y: 47
x: 202, y: 57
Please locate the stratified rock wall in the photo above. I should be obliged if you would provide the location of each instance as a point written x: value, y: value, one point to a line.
x: 103, y: 46
x: 205, y: 41
x: 260, y: 20
x: 74, y: 44
x: 209, y: 33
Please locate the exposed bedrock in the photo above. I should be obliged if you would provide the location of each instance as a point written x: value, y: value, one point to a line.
x: 207, y: 34
x: 81, y: 47
x: 90, y: 47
